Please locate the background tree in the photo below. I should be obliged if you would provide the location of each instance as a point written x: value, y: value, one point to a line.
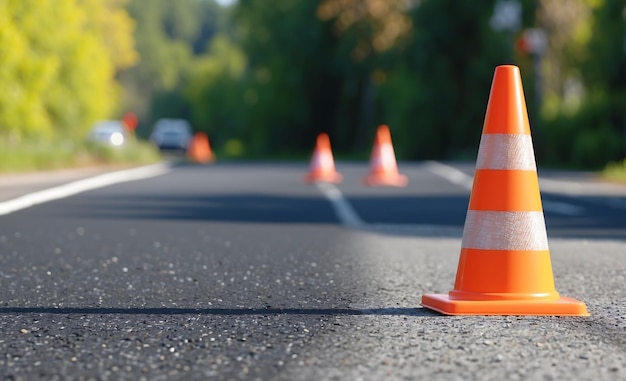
x: 368, y: 29
x: 585, y: 81
x: 267, y: 77
x: 436, y: 93
x: 292, y: 85
x: 110, y: 20
x: 169, y: 36
x: 215, y: 93
x: 56, y: 69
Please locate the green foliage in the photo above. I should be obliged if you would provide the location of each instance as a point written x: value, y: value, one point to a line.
x: 264, y: 78
x: 592, y: 131
x: 110, y: 20
x: 170, y: 36
x: 615, y: 171
x: 307, y: 75
x: 436, y: 96
x: 36, y: 154
x: 606, y: 63
x: 585, y: 139
x: 134, y: 152
x: 214, y: 92
x: 55, y: 67
x: 291, y: 87
x: 289, y: 69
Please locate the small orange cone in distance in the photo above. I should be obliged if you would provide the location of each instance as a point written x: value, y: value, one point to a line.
x: 199, y: 149
x: 504, y: 266
x: 383, y: 166
x: 322, y: 163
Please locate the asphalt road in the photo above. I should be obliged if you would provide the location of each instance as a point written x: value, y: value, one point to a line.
x: 240, y: 271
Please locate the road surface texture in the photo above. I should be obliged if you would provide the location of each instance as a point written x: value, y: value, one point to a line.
x: 240, y: 271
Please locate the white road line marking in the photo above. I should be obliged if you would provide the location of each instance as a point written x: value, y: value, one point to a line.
x: 346, y: 214
x: 451, y: 174
x: 460, y: 178
x: 349, y: 218
x: 79, y: 186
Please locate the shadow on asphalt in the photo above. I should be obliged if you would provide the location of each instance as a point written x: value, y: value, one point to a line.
x: 220, y: 311
x: 223, y: 208
x: 441, y: 214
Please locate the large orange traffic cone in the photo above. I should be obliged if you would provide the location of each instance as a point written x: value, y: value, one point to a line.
x: 383, y: 166
x: 323, y: 163
x: 504, y: 267
x: 199, y: 149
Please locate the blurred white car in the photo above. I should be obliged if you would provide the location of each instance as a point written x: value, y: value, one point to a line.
x: 171, y: 134
x: 110, y: 132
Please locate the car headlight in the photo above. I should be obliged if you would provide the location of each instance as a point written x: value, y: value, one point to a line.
x: 117, y: 138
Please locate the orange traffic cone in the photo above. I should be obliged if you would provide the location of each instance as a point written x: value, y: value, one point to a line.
x: 504, y: 267
x: 383, y: 167
x: 322, y: 163
x: 199, y: 149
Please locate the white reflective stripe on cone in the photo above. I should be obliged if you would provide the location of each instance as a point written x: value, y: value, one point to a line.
x: 492, y: 230
x: 322, y: 160
x: 388, y: 159
x: 326, y: 160
x: 506, y: 151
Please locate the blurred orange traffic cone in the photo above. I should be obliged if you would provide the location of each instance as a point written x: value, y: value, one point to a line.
x: 383, y: 166
x: 199, y: 149
x: 505, y: 267
x: 322, y: 163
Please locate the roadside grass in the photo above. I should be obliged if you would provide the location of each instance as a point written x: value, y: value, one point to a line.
x: 615, y: 171
x: 41, y: 155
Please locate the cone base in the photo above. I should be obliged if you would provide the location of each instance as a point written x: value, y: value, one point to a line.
x: 560, y: 307
x: 396, y: 180
x: 334, y: 178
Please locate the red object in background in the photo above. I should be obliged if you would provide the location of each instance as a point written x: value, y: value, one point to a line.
x: 130, y: 120
x: 532, y: 41
x: 522, y: 45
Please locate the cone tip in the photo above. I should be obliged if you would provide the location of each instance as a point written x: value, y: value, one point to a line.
x: 323, y: 141
x: 507, y: 73
x: 507, y: 67
x: 506, y: 109
x: 382, y: 134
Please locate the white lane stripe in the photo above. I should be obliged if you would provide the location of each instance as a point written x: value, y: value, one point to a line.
x: 79, y: 186
x: 583, y: 188
x: 563, y: 208
x: 450, y: 173
x: 505, y: 231
x: 457, y: 177
x: 346, y: 214
x: 506, y: 151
